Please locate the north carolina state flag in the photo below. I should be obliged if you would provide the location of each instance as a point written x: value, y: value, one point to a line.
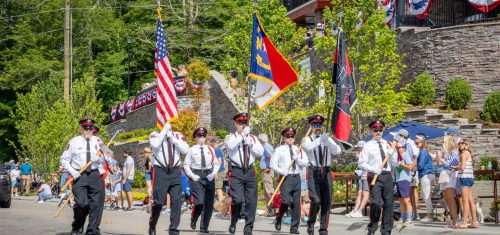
x: 345, y: 95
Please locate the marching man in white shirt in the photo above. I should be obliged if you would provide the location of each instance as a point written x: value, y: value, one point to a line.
x: 243, y: 148
x: 290, y: 189
x: 201, y: 166
x: 319, y: 148
x: 88, y: 187
x: 167, y: 176
x: 382, y: 193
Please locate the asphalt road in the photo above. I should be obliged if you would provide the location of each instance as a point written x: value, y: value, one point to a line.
x: 27, y: 217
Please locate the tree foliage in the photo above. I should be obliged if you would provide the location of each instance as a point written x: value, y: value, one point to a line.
x: 374, y: 56
x: 46, y: 122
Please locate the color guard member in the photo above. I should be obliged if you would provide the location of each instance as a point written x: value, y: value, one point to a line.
x: 167, y: 176
x: 243, y: 148
x: 290, y: 189
x: 319, y: 148
x: 201, y: 166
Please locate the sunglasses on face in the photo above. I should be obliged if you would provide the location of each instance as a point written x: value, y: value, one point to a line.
x: 242, y: 122
x: 377, y: 131
x: 201, y: 136
x: 87, y: 128
x: 317, y: 125
x: 461, y: 143
x: 289, y: 137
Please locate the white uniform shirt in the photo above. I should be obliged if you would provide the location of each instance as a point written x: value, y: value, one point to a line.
x: 282, y: 159
x: 193, y: 160
x: 75, y: 155
x: 370, y: 159
x: 312, y: 151
x: 179, y: 146
x: 234, y: 146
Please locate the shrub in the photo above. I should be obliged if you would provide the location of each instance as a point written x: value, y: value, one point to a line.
x: 221, y: 133
x: 186, y: 123
x: 423, y: 90
x: 139, y: 179
x: 138, y: 134
x: 458, y: 93
x: 491, y: 108
x: 483, y: 161
x: 139, y: 196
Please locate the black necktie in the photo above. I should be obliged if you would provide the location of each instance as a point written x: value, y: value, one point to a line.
x: 203, y: 162
x: 382, y: 154
x: 320, y: 156
x: 294, y: 167
x: 88, y: 155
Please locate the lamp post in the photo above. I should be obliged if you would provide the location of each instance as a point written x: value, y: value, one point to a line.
x: 129, y: 40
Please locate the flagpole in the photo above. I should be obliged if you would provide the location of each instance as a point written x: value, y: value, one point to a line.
x: 331, y: 93
x: 158, y: 10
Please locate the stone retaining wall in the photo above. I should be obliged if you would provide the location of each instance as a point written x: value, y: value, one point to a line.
x: 468, y: 51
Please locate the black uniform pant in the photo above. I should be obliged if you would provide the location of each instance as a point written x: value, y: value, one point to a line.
x: 243, y: 189
x: 381, y: 197
x: 166, y: 181
x: 290, y: 197
x: 320, y: 194
x: 89, y: 200
x: 202, y: 196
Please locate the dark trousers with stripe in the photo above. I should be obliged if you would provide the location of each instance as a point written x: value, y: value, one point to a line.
x: 320, y: 194
x: 381, y: 197
x: 89, y: 200
x: 202, y: 198
x: 243, y: 189
x: 290, y: 197
x: 166, y: 181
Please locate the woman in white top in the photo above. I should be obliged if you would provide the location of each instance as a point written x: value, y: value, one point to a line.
x: 466, y: 177
x: 14, y: 175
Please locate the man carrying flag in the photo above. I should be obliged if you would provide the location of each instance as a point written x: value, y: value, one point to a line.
x: 345, y: 95
x: 273, y: 73
x: 166, y: 145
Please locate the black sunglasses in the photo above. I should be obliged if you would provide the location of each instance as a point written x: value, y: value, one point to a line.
x: 377, y: 130
x: 201, y: 135
x: 289, y: 136
x: 88, y: 128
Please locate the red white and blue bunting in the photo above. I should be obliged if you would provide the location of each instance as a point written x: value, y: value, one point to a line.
x: 390, y: 7
x: 484, y: 5
x: 420, y: 8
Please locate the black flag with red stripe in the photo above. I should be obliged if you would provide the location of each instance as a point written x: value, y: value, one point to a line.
x: 345, y: 95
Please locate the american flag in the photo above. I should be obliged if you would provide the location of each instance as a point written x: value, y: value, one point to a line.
x: 166, y: 102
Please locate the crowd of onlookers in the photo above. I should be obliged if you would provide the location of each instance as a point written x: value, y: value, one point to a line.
x: 418, y: 166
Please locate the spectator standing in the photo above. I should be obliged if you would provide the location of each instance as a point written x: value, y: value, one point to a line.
x: 44, y: 192
x: 362, y: 186
x: 267, y: 173
x: 221, y: 175
x: 403, y: 177
x: 425, y: 174
x: 14, y: 176
x: 11, y: 165
x: 411, y: 149
x: 128, y: 178
x: 148, y: 153
x: 116, y: 185
x: 26, y: 176
x: 466, y: 177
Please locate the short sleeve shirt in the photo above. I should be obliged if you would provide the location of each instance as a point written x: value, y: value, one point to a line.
x: 129, y: 162
x: 25, y: 169
x: 401, y: 173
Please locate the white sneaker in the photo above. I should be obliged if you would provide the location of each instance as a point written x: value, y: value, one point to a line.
x: 348, y: 215
x: 317, y: 224
x: 426, y: 220
x: 357, y: 214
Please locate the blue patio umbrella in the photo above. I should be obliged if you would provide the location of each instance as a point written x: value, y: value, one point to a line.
x: 413, y: 129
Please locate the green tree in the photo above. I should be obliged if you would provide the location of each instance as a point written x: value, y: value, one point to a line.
x: 46, y: 122
x: 374, y: 56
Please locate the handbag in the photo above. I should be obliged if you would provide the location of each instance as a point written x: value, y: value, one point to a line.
x: 444, y: 178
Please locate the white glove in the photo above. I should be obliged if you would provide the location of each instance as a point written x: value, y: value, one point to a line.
x: 285, y: 172
x: 195, y: 178
x: 168, y: 127
x: 211, y: 177
x: 75, y: 174
x: 377, y: 171
x: 246, y: 131
x: 324, y: 138
x: 248, y: 141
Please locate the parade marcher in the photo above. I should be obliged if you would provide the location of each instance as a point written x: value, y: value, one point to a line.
x: 382, y: 193
x: 167, y: 176
x: 290, y: 189
x: 319, y: 175
x: 243, y: 148
x: 201, y: 166
x: 88, y: 187
x: 267, y: 173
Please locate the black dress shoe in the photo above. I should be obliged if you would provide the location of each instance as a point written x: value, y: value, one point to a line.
x: 204, y: 231
x: 193, y: 224
x: 74, y: 232
x: 232, y: 228
x: 152, y: 231
x: 310, y: 229
x: 80, y: 230
x: 277, y: 224
x: 294, y: 231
